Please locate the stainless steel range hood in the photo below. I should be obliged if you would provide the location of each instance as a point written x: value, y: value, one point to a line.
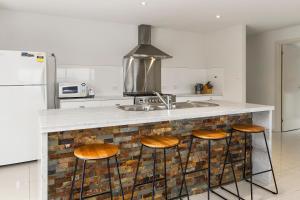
x: 144, y: 48
x: 142, y: 66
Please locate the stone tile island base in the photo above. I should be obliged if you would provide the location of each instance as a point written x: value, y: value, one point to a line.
x: 61, y: 159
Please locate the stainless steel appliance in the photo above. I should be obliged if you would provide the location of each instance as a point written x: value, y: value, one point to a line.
x: 160, y: 106
x: 152, y: 99
x: 72, y: 90
x: 27, y: 86
x: 142, y: 66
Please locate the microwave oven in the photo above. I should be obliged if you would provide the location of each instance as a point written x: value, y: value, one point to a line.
x: 71, y: 90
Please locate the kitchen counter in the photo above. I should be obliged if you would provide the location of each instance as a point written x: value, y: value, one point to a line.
x: 64, y: 130
x: 107, y: 98
x: 72, y: 119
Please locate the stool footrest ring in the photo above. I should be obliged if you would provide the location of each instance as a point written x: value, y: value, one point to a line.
x: 214, y: 192
x: 225, y: 189
x: 257, y: 173
x: 257, y: 185
x: 178, y: 197
x: 235, y: 161
x: 148, y: 182
x: 194, y: 171
x: 94, y: 195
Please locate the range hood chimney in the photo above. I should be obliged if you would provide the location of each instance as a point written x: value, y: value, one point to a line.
x: 142, y: 66
x: 144, y: 48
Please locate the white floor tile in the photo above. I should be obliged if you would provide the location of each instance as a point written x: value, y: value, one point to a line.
x: 14, y: 182
x: 286, y: 161
x: 34, y: 180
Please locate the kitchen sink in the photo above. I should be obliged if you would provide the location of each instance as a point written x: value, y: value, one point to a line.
x: 194, y: 104
x: 176, y: 105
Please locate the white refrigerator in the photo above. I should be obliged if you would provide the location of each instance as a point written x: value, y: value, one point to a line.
x: 27, y: 86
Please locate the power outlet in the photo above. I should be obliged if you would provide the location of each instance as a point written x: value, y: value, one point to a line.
x: 18, y: 185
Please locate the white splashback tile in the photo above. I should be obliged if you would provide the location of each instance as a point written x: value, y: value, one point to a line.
x: 105, y: 80
x: 216, y: 76
x: 108, y: 80
x: 182, y: 80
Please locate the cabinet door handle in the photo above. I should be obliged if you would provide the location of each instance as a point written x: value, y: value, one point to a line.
x: 81, y: 106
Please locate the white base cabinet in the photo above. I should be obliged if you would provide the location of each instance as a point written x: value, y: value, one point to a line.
x: 104, y: 102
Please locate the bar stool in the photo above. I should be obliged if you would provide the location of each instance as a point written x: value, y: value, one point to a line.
x: 253, y: 129
x: 210, y: 135
x: 158, y: 142
x: 96, y: 152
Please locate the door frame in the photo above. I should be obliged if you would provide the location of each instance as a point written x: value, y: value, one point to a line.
x: 279, y: 79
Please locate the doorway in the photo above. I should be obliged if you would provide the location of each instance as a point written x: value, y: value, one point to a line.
x: 290, y: 86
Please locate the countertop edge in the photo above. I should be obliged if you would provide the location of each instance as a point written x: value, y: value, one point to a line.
x: 153, y: 119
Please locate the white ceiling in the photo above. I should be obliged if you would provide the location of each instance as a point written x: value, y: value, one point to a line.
x: 192, y: 15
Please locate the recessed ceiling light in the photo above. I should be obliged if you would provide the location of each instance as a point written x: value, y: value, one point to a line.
x: 218, y: 16
x: 143, y: 3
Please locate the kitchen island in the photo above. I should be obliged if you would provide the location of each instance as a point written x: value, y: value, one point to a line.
x: 62, y: 130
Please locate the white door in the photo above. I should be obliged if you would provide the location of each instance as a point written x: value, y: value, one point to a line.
x: 22, y: 68
x: 19, y: 122
x: 290, y: 86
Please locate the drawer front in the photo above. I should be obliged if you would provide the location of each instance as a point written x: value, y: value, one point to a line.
x: 91, y: 104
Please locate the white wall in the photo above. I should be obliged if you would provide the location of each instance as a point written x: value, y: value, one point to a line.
x: 263, y: 74
x: 227, y: 49
x: 90, y: 45
x: 86, y: 42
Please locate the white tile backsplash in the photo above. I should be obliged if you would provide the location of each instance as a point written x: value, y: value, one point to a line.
x: 108, y: 80
x: 216, y: 76
x: 182, y: 80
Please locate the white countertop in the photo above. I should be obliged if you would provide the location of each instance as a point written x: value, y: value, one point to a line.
x: 106, y: 98
x: 84, y: 118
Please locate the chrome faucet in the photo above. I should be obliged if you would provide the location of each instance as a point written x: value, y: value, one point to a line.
x: 168, y: 102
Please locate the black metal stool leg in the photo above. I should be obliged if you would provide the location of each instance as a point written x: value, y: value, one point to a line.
x: 137, y: 170
x: 73, y: 180
x: 226, y: 156
x: 182, y: 173
x: 165, y: 174
x: 209, y: 156
x: 109, y: 179
x: 232, y: 167
x: 251, y: 167
x: 154, y: 175
x: 245, y: 155
x: 271, y: 170
x: 187, y: 162
x: 251, y: 172
x: 271, y: 164
x: 120, y: 180
x: 82, y: 182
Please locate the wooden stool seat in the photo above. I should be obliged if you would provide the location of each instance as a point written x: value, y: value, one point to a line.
x: 159, y: 141
x: 210, y: 134
x: 248, y: 128
x: 96, y: 151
